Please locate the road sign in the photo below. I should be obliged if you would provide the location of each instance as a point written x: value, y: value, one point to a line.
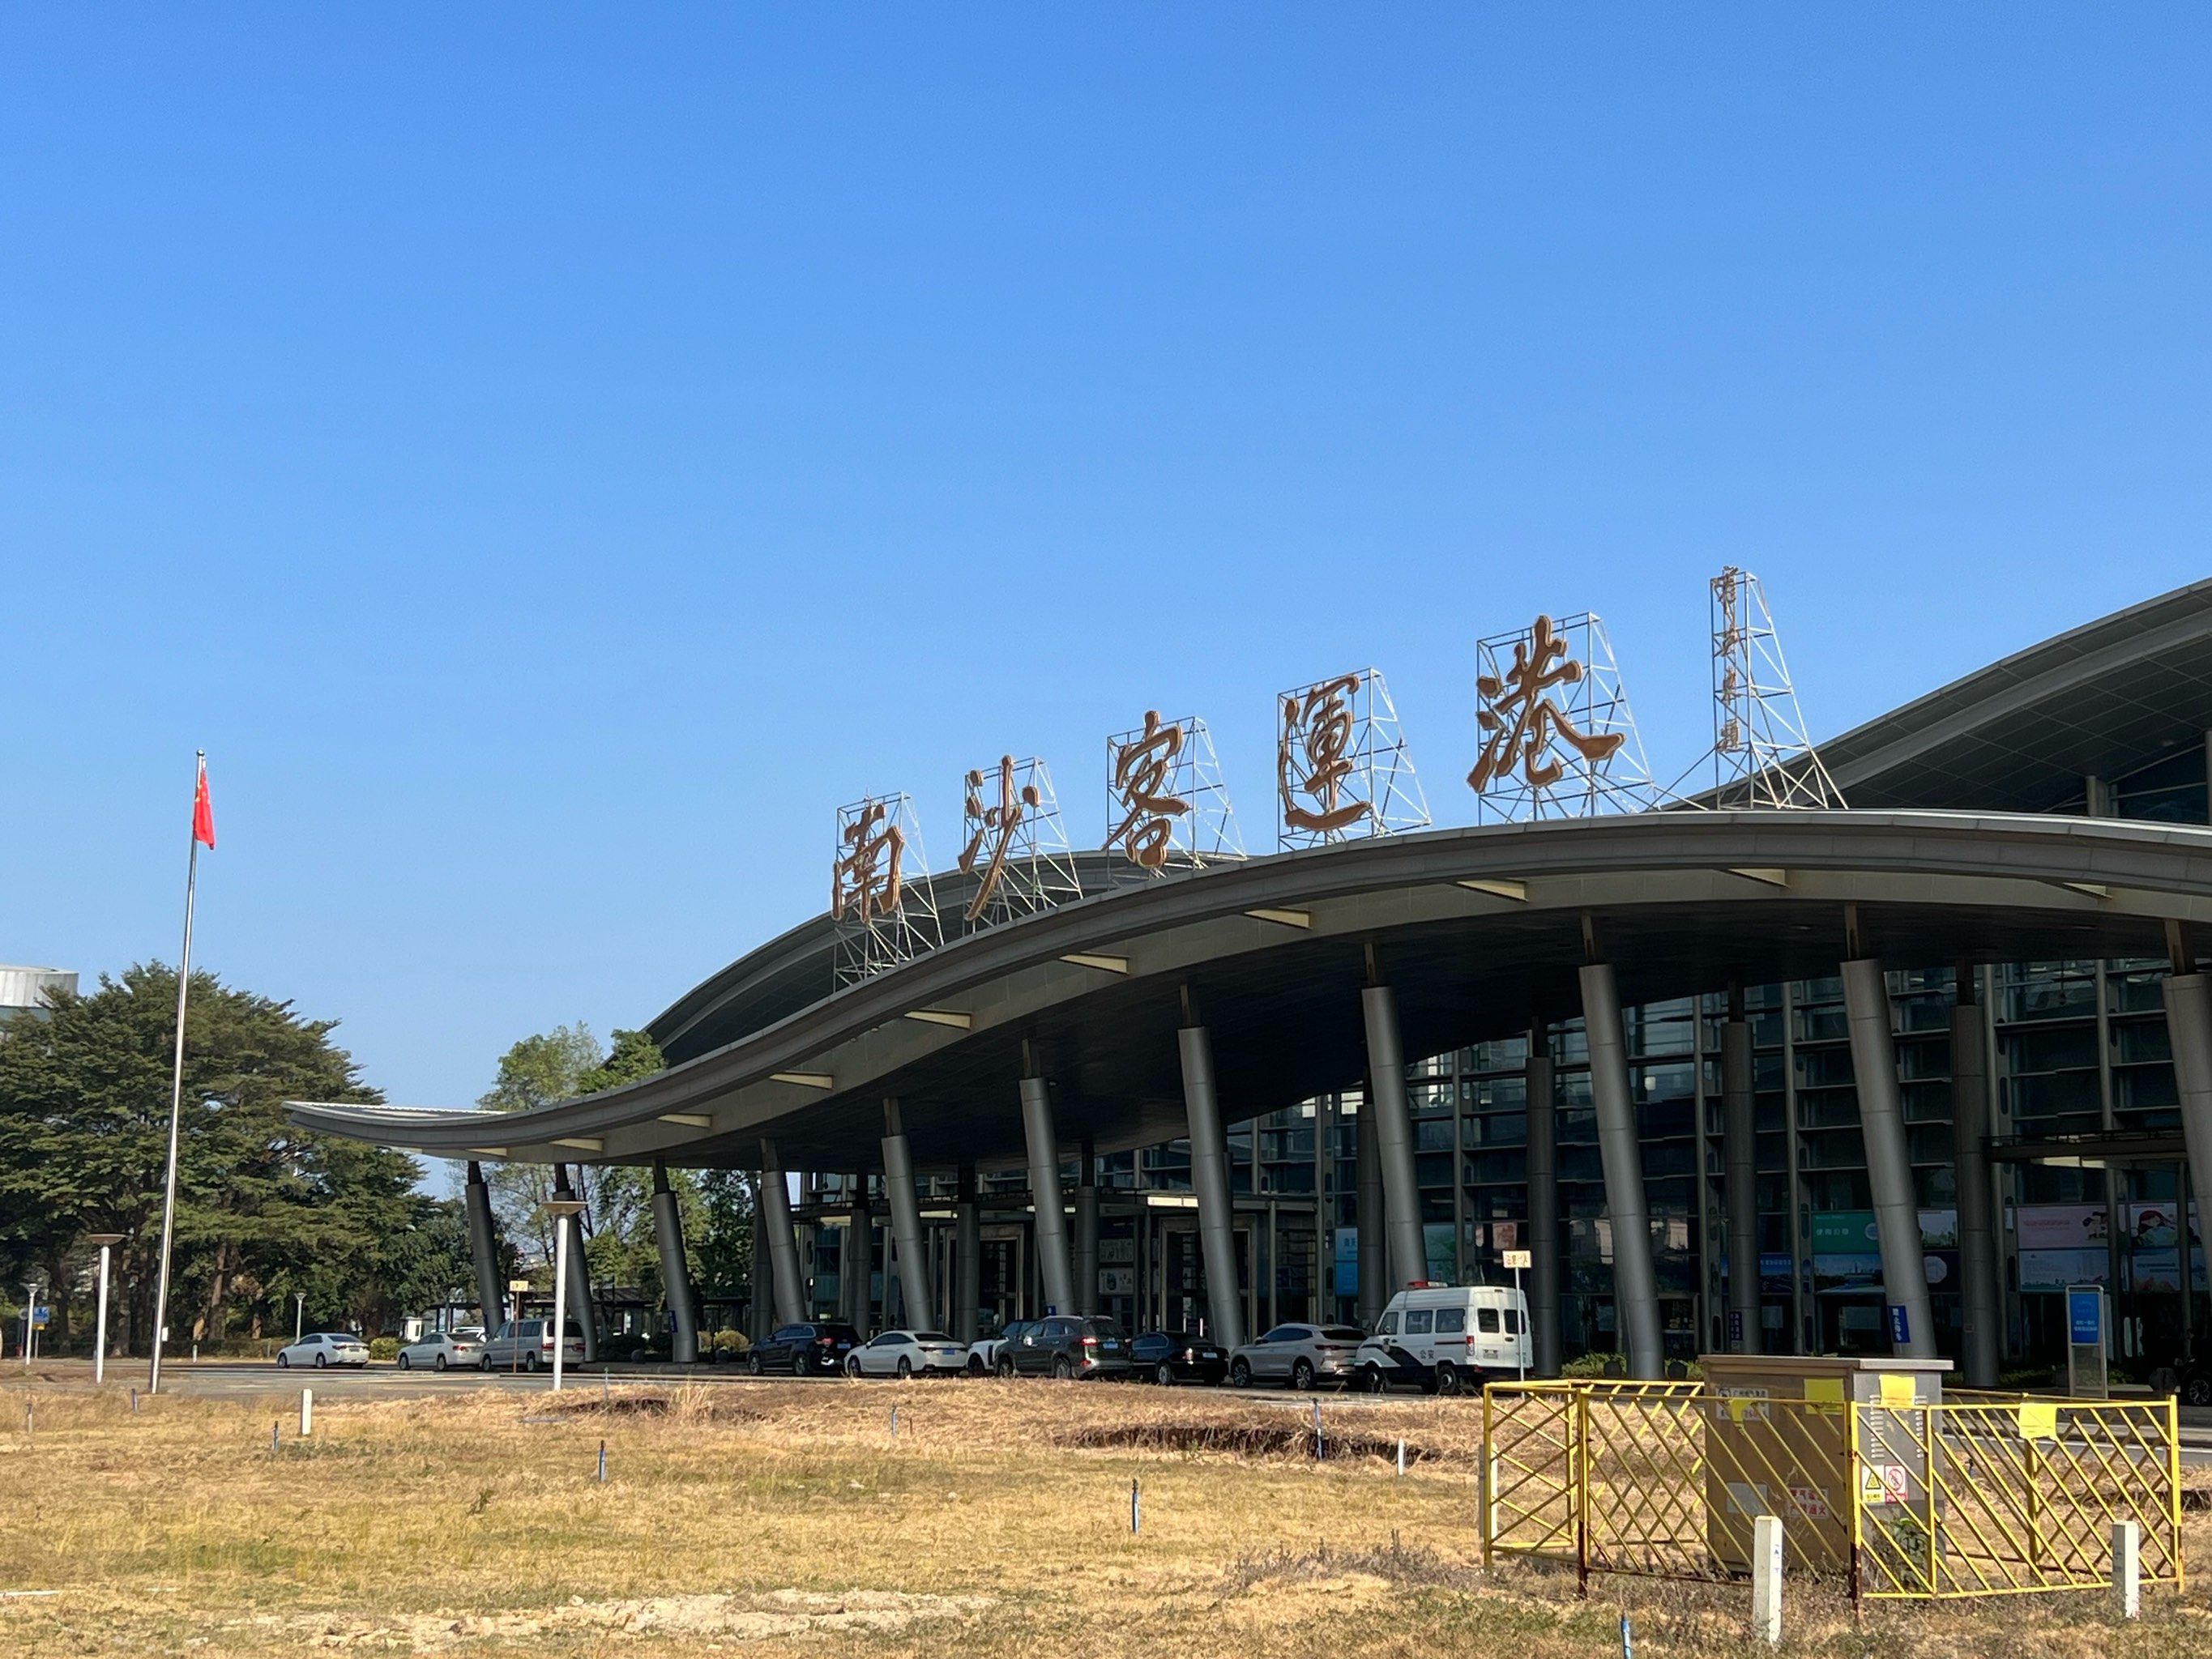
x: 1517, y: 1259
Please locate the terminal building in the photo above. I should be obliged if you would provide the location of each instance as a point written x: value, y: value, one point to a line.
x: 1876, y: 1045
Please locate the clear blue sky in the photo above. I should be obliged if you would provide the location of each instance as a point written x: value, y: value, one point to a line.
x: 551, y: 458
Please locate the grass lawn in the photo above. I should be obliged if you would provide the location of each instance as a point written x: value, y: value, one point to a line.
x: 786, y: 1515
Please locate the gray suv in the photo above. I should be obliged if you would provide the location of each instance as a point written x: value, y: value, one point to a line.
x: 1066, y: 1345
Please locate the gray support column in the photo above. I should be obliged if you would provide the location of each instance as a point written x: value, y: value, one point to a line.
x: 967, y: 1260
x: 1086, y: 1231
x: 1367, y: 1214
x: 1053, y: 1272
x: 1889, y: 1169
x: 483, y: 1251
x: 675, y: 1271
x: 1980, y: 1297
x: 1209, y: 1179
x: 2189, y: 1028
x: 761, y: 1315
x: 1740, y: 1176
x: 1635, y: 1286
x: 1394, y: 1136
x: 918, y: 1312
x: 1543, y: 1207
x: 782, y: 1247
x: 582, y: 1308
x: 856, y: 1260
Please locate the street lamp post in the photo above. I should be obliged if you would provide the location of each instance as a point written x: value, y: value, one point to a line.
x: 299, y: 1315
x: 560, y: 1209
x: 106, y: 1242
x: 30, y: 1319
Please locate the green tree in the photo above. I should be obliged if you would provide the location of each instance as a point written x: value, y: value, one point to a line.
x: 263, y: 1208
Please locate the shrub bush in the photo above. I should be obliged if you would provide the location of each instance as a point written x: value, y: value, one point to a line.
x: 384, y: 1347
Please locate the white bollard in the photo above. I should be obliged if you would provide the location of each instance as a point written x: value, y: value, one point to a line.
x: 306, y: 1412
x: 1401, y: 1456
x: 1767, y: 1580
x: 2127, y: 1569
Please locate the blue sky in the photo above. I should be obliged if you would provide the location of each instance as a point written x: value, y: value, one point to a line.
x: 551, y: 458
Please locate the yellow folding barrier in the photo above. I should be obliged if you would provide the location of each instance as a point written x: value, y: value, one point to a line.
x: 1976, y: 1497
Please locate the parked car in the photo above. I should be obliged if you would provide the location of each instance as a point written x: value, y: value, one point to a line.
x: 323, y: 1349
x: 1304, y: 1356
x: 1445, y: 1338
x: 1171, y: 1357
x: 527, y: 1344
x: 440, y: 1350
x: 1066, y: 1345
x: 983, y: 1353
x: 903, y: 1353
x: 811, y: 1349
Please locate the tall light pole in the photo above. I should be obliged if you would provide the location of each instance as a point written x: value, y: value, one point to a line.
x: 560, y: 1209
x: 106, y: 1242
x: 299, y: 1315
x: 30, y: 1319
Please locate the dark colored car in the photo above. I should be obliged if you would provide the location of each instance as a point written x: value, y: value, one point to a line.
x: 806, y: 1350
x: 1066, y: 1345
x: 1169, y: 1357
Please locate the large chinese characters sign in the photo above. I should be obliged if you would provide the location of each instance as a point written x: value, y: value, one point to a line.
x: 1556, y: 736
x: 1341, y: 769
x: 1314, y: 759
x: 879, y: 893
x: 1165, y: 801
x: 1016, y: 848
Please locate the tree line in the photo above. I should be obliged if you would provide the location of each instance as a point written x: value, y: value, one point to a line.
x: 268, y: 1212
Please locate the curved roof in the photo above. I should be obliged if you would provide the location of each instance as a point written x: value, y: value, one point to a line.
x: 2107, y: 699
x: 1479, y: 930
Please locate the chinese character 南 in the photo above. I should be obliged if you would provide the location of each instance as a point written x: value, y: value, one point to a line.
x: 1519, y: 720
x: 865, y: 881
x: 1143, y: 786
x: 1313, y: 758
x: 996, y: 823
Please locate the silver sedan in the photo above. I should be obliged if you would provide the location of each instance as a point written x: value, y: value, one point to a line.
x: 441, y: 1349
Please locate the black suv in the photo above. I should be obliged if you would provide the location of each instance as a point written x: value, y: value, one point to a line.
x: 804, y: 1350
x: 1169, y: 1357
x: 1065, y: 1346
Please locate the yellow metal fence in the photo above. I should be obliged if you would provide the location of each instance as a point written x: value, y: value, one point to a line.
x: 1974, y: 1496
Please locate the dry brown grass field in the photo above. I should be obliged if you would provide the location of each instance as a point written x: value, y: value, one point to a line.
x: 786, y: 1517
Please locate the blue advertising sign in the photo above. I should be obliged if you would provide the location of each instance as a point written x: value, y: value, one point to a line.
x: 1900, y: 1326
x: 2085, y: 1318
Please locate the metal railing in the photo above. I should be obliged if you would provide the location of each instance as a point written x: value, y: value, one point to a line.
x: 1974, y: 1496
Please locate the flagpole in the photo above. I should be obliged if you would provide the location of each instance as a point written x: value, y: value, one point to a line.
x: 176, y: 1098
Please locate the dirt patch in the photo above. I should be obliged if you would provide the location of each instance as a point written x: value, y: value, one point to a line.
x: 698, y: 1404
x: 740, y: 1617
x: 1242, y: 1439
x: 1395, y: 1564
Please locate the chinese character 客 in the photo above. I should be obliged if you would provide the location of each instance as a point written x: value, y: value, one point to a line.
x: 1312, y: 758
x: 1519, y: 721
x: 1142, y: 785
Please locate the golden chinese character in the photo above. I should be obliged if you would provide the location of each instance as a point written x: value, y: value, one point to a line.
x: 865, y: 881
x: 1312, y: 757
x: 1144, y: 769
x: 1520, y: 722
x: 1000, y: 821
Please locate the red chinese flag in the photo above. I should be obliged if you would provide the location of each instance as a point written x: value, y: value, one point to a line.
x: 202, y: 812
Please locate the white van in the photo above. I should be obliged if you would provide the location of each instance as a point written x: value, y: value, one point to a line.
x: 1443, y: 1338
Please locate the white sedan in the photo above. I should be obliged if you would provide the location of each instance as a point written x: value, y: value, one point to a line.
x: 323, y: 1348
x: 440, y: 1349
x: 904, y: 1353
